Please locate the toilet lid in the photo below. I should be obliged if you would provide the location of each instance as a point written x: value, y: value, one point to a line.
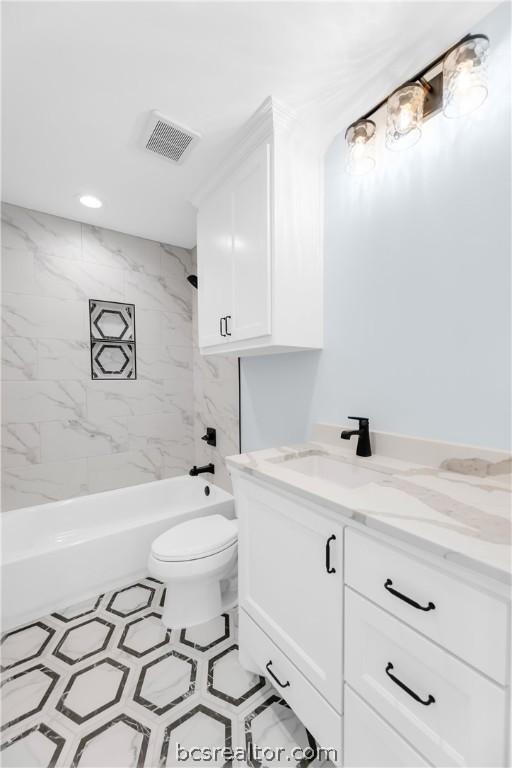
x: 195, y: 538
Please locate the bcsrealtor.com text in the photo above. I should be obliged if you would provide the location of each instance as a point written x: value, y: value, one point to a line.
x: 278, y: 755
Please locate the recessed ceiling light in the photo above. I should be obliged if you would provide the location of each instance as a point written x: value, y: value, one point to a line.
x: 90, y: 201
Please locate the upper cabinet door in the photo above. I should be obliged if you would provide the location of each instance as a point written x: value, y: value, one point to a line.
x: 252, y: 246
x: 214, y: 264
x: 259, y: 241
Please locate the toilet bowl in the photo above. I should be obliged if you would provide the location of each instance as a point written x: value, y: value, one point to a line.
x: 197, y: 562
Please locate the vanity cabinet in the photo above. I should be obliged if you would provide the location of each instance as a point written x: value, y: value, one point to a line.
x: 291, y: 603
x: 386, y: 653
x: 291, y: 581
x: 259, y: 261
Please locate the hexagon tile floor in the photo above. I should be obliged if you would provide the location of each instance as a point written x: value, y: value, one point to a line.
x: 104, y: 684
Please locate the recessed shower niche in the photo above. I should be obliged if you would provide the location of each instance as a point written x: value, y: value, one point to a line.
x: 112, y: 331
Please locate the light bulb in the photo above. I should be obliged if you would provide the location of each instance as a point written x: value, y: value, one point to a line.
x: 405, y: 119
x: 358, y: 151
x: 360, y: 144
x: 463, y: 79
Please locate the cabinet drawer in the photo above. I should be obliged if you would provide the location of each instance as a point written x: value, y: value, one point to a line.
x: 369, y: 742
x: 309, y: 706
x: 468, y: 622
x: 452, y: 714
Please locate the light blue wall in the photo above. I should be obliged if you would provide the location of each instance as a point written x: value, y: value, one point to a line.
x: 417, y: 289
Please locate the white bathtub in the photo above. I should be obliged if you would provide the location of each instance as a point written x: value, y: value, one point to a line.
x: 55, y: 555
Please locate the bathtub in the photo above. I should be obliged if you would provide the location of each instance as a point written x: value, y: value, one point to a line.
x: 58, y: 554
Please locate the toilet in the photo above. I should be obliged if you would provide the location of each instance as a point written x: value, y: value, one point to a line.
x: 197, y: 562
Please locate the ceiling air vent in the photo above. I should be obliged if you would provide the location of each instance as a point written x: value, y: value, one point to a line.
x: 168, y: 139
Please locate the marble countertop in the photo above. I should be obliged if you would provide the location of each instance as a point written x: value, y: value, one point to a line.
x: 462, y: 516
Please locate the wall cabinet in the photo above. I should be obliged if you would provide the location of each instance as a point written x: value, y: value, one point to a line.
x: 215, y: 218
x: 259, y: 258
x: 384, y: 654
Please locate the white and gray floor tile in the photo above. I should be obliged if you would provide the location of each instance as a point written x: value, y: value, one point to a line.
x: 105, y: 684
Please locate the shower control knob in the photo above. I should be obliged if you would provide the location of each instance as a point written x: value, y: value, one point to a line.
x: 210, y: 437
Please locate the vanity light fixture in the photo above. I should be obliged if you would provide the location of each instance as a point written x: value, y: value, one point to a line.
x: 360, y: 139
x: 459, y: 88
x: 90, y: 201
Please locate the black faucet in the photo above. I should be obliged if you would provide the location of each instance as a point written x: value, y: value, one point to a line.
x: 363, y: 444
x: 199, y: 470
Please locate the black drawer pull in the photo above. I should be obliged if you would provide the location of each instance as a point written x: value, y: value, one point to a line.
x: 220, y: 326
x: 429, y: 607
x: 282, y: 685
x: 403, y: 686
x: 328, y: 554
x: 228, y: 317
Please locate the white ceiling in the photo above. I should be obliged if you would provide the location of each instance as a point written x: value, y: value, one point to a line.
x: 79, y: 79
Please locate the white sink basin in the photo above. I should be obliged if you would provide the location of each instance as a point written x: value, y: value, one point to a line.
x: 334, y: 471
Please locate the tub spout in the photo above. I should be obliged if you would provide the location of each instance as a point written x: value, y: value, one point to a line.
x: 199, y: 470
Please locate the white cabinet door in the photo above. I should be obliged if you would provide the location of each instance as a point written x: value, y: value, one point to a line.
x: 291, y: 581
x: 252, y: 250
x: 214, y: 264
x: 260, y: 239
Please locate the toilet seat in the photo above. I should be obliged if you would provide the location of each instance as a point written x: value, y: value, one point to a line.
x: 195, y: 539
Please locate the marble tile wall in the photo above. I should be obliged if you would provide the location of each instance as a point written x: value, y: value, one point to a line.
x: 216, y: 404
x: 62, y: 433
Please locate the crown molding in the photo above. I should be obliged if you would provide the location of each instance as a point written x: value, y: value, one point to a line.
x: 272, y: 117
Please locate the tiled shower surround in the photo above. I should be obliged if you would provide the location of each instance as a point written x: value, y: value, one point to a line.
x: 64, y: 435
x: 105, y: 684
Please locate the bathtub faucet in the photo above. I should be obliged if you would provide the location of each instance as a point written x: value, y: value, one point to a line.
x: 199, y: 470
